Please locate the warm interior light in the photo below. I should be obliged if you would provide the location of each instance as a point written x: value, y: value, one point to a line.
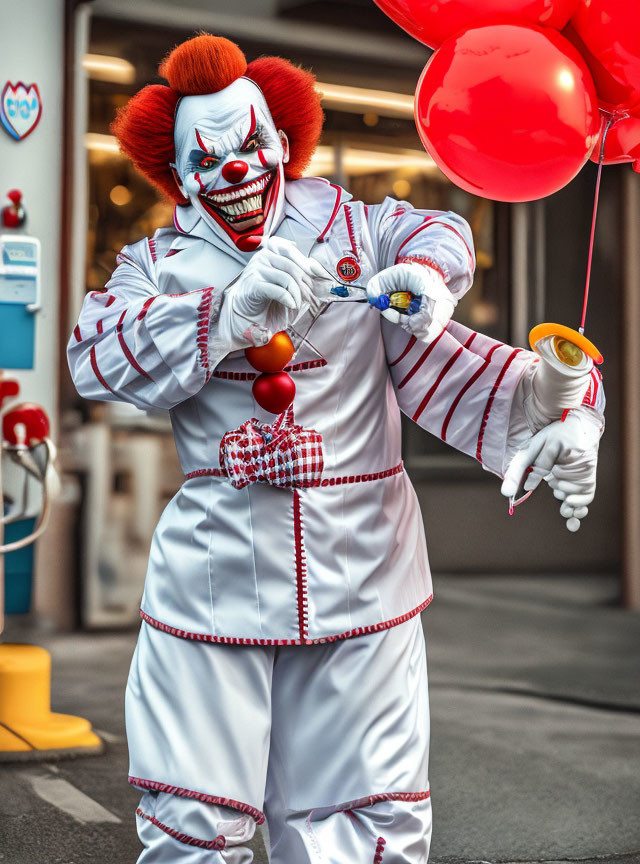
x: 361, y: 100
x: 401, y: 188
x: 103, y: 68
x: 120, y: 195
x: 357, y: 160
x: 101, y: 143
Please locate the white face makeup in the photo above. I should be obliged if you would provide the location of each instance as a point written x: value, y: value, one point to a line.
x: 229, y: 162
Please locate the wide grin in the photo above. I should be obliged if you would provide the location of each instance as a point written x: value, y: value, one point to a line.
x: 240, y: 206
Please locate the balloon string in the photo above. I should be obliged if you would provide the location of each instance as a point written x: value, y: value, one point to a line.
x: 596, y: 198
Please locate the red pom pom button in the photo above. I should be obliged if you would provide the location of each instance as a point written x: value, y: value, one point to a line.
x: 274, y: 392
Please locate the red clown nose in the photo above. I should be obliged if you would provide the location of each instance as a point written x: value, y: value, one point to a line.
x: 234, y: 172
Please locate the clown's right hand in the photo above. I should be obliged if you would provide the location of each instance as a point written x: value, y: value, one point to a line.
x: 269, y: 294
x: 431, y: 307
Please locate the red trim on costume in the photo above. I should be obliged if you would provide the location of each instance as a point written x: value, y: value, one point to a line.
x: 204, y: 314
x: 125, y: 348
x: 412, y: 341
x: 172, y: 252
x: 377, y: 858
x: 350, y: 230
x: 77, y: 333
x: 110, y: 298
x: 218, y: 843
x: 458, y: 234
x: 145, y: 306
x: 99, y: 327
x: 175, y: 220
x: 325, y: 481
x: 320, y: 238
x: 301, y: 568
x: 370, y: 800
x: 565, y: 414
x: 420, y: 361
x: 489, y: 404
x: 237, y: 640
x: 96, y: 370
x: 424, y: 261
x: 227, y: 375
x: 152, y: 249
x: 258, y: 815
x: 437, y: 383
x: 469, y: 341
x: 425, y: 222
x: 463, y: 390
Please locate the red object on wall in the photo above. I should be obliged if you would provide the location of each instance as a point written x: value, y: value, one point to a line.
x: 274, y: 392
x: 13, y: 215
x: 434, y: 21
x: 508, y: 112
x: 30, y: 416
x: 8, y: 387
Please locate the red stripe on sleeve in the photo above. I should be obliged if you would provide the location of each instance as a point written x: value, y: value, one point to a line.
x: 96, y: 370
x: 489, y: 405
x: 412, y: 341
x: 77, y: 333
x: 437, y: 382
x: 125, y: 348
x: 463, y: 390
x: 420, y: 361
x: 424, y: 224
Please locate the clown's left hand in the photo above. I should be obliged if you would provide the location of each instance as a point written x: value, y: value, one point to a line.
x: 431, y: 308
x: 565, y: 454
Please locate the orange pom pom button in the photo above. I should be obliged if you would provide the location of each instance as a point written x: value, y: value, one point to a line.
x: 273, y: 356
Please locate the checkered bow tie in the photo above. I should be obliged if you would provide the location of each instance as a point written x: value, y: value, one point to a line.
x: 282, y: 454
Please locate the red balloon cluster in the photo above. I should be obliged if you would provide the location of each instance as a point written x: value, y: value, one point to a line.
x: 274, y: 389
x: 507, y: 106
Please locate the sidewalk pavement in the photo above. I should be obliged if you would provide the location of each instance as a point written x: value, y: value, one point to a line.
x: 535, y: 698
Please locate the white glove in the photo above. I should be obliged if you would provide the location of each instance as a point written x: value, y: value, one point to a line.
x: 566, y: 456
x: 436, y: 302
x: 268, y: 295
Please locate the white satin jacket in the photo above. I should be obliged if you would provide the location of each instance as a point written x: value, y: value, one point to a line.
x: 346, y: 556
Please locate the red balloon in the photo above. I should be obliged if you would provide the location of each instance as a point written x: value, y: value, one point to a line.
x: 622, y: 143
x: 274, y: 392
x: 434, y: 21
x: 607, y: 34
x: 25, y: 424
x: 507, y: 112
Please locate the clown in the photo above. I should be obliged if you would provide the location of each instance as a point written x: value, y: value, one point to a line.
x: 280, y: 672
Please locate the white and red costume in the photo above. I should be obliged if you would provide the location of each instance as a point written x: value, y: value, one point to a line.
x: 249, y: 693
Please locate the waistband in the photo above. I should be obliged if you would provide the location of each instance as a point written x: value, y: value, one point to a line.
x: 324, y: 481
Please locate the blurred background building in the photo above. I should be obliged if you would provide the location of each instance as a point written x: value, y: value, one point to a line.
x: 84, y: 202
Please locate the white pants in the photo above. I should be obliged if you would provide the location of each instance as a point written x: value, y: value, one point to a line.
x: 329, y: 743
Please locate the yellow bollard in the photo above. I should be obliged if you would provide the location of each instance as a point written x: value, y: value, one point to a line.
x: 28, y: 727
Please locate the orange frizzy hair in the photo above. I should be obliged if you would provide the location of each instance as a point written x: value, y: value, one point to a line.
x: 206, y: 64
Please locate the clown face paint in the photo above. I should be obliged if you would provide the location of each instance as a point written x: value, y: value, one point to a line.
x: 229, y: 162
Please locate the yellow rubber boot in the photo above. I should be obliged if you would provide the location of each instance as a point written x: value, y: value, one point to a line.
x: 27, y: 725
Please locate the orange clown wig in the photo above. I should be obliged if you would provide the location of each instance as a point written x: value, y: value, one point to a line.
x: 207, y: 64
